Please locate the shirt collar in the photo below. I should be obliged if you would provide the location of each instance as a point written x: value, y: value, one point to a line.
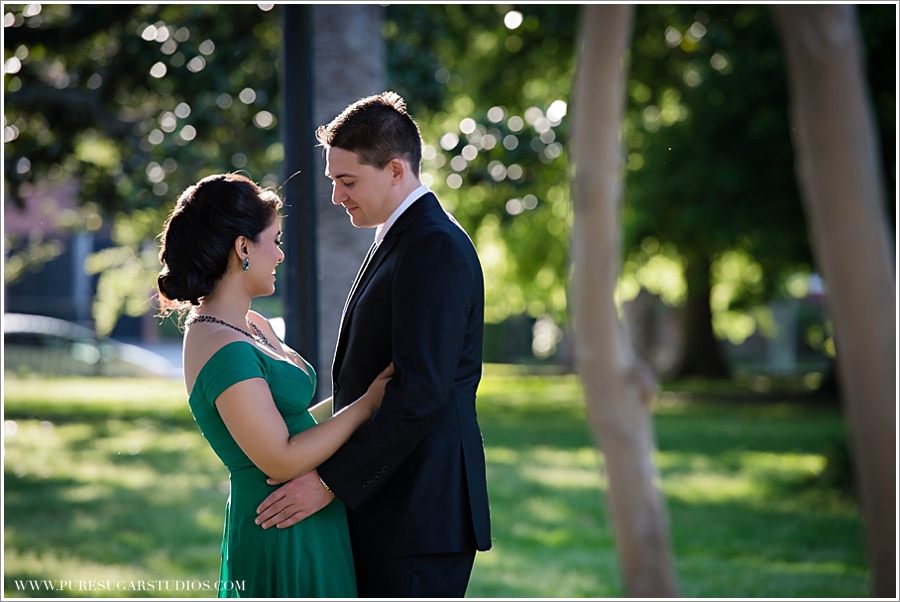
x: 412, y: 197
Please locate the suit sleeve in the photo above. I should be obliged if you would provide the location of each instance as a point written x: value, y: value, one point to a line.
x: 431, y: 302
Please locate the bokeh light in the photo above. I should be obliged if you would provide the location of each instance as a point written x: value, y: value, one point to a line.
x: 512, y: 19
x: 454, y: 181
x: 449, y: 141
x: 196, y: 64
x: 158, y: 70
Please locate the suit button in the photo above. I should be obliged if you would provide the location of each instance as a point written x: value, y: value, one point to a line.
x: 336, y: 388
x: 383, y: 469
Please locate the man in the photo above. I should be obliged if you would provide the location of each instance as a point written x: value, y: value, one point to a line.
x: 413, y: 477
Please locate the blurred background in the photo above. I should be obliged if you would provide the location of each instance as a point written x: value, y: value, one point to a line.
x: 110, y: 111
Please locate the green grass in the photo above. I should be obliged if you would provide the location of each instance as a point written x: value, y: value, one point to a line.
x: 110, y: 480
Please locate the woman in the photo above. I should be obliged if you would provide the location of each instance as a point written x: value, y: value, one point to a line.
x: 249, y: 392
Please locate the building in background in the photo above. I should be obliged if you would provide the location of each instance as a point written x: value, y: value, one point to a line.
x: 45, y: 247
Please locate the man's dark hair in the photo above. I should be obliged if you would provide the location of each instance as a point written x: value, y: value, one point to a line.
x: 378, y: 129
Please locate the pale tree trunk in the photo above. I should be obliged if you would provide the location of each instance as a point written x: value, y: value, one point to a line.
x: 618, y: 389
x: 839, y: 175
x: 350, y: 64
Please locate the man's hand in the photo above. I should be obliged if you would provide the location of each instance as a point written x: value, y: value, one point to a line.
x: 293, y: 502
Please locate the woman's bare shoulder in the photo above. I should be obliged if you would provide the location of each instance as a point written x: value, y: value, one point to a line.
x: 201, y: 342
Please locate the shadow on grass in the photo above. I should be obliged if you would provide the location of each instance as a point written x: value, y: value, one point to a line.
x: 133, y: 491
x: 749, y: 515
x: 79, y: 505
x: 121, y: 524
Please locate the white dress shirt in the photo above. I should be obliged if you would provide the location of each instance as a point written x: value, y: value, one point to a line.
x: 413, y: 196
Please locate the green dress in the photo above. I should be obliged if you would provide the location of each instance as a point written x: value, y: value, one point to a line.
x: 313, y: 558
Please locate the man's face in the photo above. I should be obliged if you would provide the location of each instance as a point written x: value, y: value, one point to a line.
x: 363, y: 190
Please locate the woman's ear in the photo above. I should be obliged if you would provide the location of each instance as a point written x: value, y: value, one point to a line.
x: 240, y: 247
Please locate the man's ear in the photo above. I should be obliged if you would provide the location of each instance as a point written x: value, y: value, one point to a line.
x: 398, y: 168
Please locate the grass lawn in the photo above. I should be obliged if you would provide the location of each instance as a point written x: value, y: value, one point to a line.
x: 110, y: 479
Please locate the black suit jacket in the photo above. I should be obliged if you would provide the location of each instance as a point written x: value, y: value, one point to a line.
x: 413, y: 477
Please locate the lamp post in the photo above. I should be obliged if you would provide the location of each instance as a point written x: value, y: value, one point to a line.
x: 301, y: 315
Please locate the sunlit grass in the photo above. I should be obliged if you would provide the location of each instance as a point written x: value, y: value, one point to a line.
x: 116, y: 397
x: 110, y: 479
x: 749, y: 515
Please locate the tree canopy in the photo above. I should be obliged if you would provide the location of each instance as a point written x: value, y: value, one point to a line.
x: 488, y: 86
x: 712, y: 215
x: 710, y: 163
x: 136, y: 102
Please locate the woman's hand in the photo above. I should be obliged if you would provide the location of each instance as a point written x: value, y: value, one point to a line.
x: 375, y: 393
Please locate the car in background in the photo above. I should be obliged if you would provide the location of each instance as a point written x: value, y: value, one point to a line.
x: 49, y: 346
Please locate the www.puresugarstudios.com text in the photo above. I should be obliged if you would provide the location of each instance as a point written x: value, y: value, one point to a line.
x: 147, y: 585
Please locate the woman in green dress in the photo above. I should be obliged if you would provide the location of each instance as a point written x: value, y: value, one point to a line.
x: 249, y: 392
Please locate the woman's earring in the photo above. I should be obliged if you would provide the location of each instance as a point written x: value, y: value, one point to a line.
x: 246, y: 263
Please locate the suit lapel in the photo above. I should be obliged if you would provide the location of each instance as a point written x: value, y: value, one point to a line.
x: 422, y: 204
x: 359, y: 275
x: 372, y: 262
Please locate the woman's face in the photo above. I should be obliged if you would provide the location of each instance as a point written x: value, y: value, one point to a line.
x: 264, y: 258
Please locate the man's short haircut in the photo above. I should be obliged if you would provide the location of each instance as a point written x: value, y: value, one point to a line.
x: 376, y: 128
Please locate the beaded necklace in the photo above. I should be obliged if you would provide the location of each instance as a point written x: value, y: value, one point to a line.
x: 259, y: 336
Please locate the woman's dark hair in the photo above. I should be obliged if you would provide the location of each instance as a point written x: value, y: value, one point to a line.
x: 198, y: 236
x: 378, y: 129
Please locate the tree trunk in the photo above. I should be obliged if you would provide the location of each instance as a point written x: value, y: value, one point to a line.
x: 701, y: 352
x: 839, y: 174
x: 350, y: 64
x: 617, y: 388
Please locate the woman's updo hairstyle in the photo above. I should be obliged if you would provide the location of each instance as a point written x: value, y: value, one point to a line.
x: 198, y: 236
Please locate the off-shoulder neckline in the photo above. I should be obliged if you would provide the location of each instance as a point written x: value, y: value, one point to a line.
x: 307, y: 370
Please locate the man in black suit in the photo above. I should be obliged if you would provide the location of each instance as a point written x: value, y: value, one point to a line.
x: 413, y: 477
